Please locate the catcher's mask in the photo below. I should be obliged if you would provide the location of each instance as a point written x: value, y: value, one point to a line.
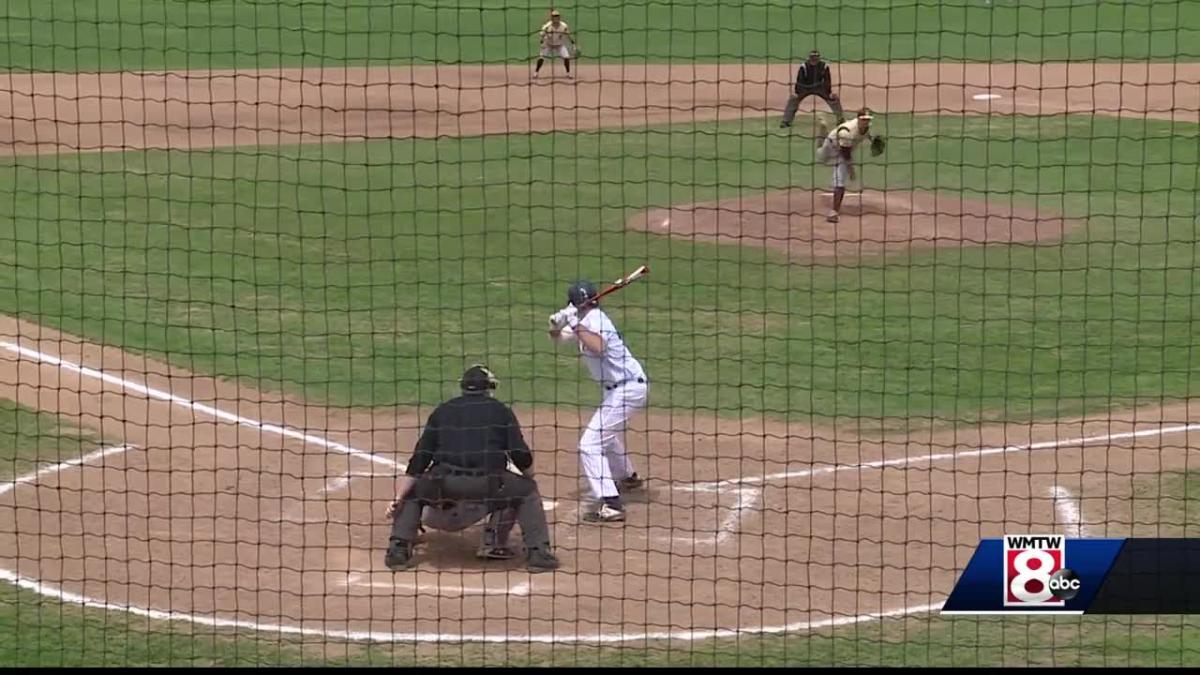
x: 580, y: 292
x: 478, y: 379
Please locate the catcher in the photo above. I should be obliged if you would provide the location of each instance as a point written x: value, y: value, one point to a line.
x: 554, y: 37
x: 838, y: 150
x: 813, y: 79
x: 452, y: 516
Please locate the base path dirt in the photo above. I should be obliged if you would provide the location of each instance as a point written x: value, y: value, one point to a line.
x: 871, y: 222
x: 69, y: 112
x: 238, y: 508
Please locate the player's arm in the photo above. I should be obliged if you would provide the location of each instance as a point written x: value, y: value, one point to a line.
x: 518, y: 449
x: 589, y: 340
x: 422, y: 457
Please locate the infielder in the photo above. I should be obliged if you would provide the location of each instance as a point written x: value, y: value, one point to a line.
x: 606, y: 465
x: 554, y: 37
x: 813, y: 79
x: 838, y: 150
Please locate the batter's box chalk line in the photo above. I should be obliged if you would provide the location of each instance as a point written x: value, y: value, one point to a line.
x: 559, y: 637
x: 735, y: 500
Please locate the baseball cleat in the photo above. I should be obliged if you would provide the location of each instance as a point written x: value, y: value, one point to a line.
x: 784, y: 125
x: 541, y: 560
x: 399, y: 555
x: 605, y: 514
x: 630, y: 482
x: 495, y: 553
x: 832, y: 217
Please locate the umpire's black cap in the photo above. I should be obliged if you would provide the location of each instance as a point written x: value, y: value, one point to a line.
x: 478, y: 379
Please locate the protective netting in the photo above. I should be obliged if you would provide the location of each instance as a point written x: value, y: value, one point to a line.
x: 247, y: 248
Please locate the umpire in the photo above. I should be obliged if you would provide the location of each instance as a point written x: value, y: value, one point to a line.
x: 813, y: 79
x: 462, y: 456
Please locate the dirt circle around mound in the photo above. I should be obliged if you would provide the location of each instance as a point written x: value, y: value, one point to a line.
x: 871, y: 222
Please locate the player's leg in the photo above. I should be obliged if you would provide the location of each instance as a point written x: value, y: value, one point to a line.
x: 789, y: 111
x: 626, y: 402
x: 835, y: 104
x: 523, y: 494
x: 841, y: 172
x: 596, y: 469
x: 406, y: 521
x: 537, y: 69
x: 565, y: 55
x: 496, y: 531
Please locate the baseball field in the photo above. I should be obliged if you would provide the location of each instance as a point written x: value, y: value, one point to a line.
x: 245, y: 248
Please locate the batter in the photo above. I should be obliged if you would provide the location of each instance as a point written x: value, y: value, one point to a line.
x: 623, y: 382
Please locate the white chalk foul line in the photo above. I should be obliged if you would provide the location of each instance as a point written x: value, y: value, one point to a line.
x: 1068, y: 511
x: 565, y: 637
x: 943, y: 456
x: 34, y: 477
x: 160, y: 395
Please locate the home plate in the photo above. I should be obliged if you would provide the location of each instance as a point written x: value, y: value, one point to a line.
x: 434, y: 583
x: 985, y: 97
x: 847, y: 195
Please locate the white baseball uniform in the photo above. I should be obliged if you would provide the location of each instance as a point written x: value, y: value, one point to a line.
x: 555, y: 40
x: 625, y: 391
x: 845, y: 135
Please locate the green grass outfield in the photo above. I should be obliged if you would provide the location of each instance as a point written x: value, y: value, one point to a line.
x: 369, y: 274
x: 42, y: 632
x: 81, y: 35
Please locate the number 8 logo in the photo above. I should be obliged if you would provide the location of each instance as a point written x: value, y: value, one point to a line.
x: 1026, y: 574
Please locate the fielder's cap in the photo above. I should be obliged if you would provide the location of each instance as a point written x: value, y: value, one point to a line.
x: 478, y: 378
x: 814, y: 53
x: 555, y: 12
x: 865, y: 114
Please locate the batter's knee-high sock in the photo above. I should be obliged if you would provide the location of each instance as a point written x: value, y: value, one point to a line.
x: 838, y: 195
x: 538, y: 67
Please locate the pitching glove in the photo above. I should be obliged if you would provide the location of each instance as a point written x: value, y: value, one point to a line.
x: 878, y: 145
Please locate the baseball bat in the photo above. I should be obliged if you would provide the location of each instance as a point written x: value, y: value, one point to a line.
x: 624, y: 281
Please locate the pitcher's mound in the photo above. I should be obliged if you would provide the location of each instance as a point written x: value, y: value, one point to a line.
x: 872, y: 222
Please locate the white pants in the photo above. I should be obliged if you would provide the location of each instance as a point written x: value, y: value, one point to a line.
x: 560, y: 51
x: 828, y: 154
x: 602, y: 446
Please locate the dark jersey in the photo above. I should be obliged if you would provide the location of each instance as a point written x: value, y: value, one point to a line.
x: 813, y: 75
x: 473, y: 432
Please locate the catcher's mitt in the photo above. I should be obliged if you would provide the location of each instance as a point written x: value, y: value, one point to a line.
x: 878, y: 145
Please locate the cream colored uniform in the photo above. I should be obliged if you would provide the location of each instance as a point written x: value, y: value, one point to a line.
x: 846, y: 135
x: 555, y: 40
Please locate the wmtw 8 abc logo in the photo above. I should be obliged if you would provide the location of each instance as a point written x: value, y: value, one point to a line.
x: 1036, y: 572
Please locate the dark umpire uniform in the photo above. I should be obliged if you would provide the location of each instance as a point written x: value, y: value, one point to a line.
x: 463, y: 456
x: 813, y: 79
